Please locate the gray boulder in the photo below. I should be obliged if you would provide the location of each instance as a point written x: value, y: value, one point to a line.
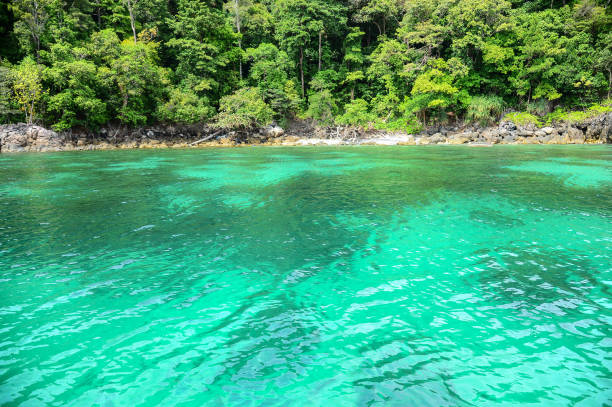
x: 273, y: 131
x: 574, y: 136
x: 23, y: 137
x: 548, y: 130
x: 437, y: 138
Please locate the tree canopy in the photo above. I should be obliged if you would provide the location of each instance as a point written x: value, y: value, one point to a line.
x: 241, y: 63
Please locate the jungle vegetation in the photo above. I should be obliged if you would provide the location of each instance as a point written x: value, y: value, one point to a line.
x: 391, y: 64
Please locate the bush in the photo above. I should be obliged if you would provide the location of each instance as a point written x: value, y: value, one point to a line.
x: 403, y: 117
x: 484, y: 109
x: 356, y: 114
x: 385, y: 106
x: 538, y: 107
x: 184, y: 106
x: 283, y: 101
x: 322, y: 107
x: 243, y: 109
x: 522, y: 118
x: 6, y: 84
x: 409, y: 124
x: 561, y: 115
x: 27, y: 87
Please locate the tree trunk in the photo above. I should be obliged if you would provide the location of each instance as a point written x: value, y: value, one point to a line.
x: 352, y: 93
x: 529, y: 96
x: 237, y: 12
x: 320, y: 52
x: 37, y: 41
x: 31, y: 118
x: 206, y: 138
x: 124, y: 95
x: 378, y: 26
x: 609, y: 82
x: 240, y: 61
x: 132, y: 23
x: 34, y: 29
x: 302, y: 69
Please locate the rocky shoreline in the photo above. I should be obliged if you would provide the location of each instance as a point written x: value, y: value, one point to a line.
x: 31, y: 138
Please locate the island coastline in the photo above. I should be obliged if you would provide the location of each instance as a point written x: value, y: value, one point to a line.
x: 33, y: 138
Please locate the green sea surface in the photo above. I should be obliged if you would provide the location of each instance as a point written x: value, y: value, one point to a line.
x: 331, y: 276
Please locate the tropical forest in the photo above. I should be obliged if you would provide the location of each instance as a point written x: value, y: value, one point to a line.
x: 385, y: 64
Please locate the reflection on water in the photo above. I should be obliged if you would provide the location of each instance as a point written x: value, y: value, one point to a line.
x: 315, y: 276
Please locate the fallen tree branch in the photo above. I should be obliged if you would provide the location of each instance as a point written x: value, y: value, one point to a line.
x: 206, y: 138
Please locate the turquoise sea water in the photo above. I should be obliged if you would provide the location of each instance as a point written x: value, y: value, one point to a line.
x: 396, y: 276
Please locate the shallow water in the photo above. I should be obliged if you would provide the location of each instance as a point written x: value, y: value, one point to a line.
x: 349, y: 276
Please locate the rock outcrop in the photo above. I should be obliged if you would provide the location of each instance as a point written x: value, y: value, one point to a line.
x: 24, y: 138
x: 597, y: 130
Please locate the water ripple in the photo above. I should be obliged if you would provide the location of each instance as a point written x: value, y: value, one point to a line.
x: 349, y: 277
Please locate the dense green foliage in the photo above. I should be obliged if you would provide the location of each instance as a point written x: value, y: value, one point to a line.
x: 393, y: 64
x: 244, y: 108
x: 560, y: 115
